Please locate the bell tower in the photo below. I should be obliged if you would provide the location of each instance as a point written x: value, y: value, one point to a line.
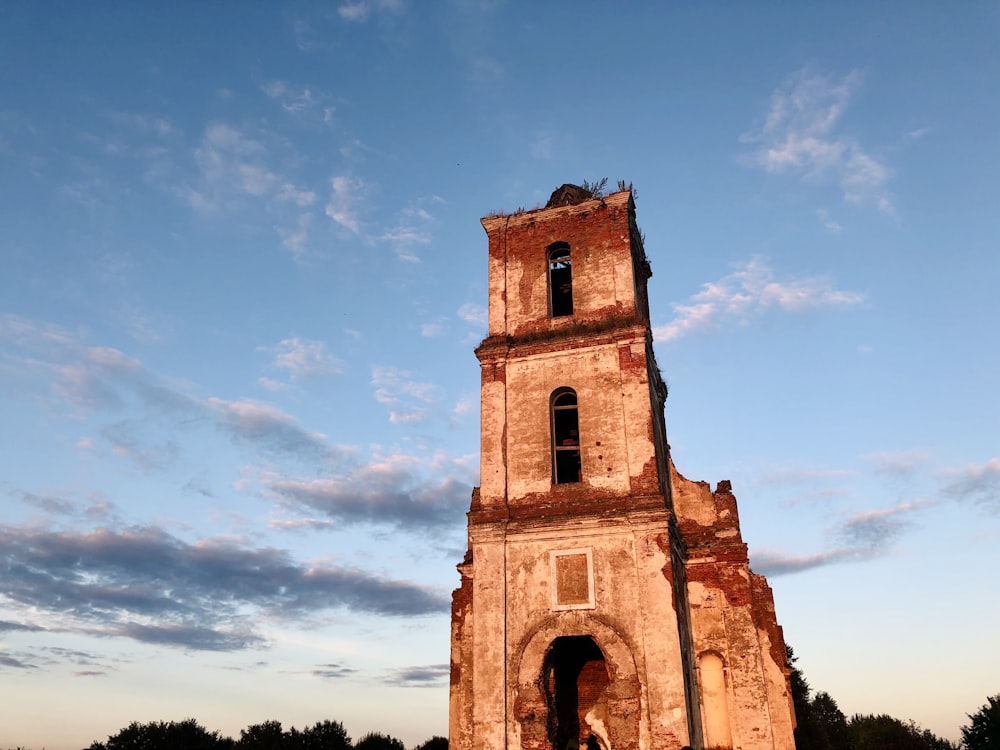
x: 585, y: 616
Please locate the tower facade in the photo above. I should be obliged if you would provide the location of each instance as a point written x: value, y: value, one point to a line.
x: 605, y: 600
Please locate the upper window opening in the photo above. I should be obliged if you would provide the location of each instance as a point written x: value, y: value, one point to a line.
x: 565, y: 437
x: 560, y: 281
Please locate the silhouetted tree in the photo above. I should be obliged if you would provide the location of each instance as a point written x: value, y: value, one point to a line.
x: 884, y: 732
x: 266, y: 736
x: 821, y: 725
x: 378, y: 741
x: 323, y: 735
x: 434, y: 743
x: 164, y: 735
x: 983, y: 730
x: 827, y: 714
x: 809, y: 732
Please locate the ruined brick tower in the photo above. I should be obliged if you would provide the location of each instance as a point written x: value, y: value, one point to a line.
x: 605, y: 600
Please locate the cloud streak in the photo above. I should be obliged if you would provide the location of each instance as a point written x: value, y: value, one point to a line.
x: 978, y: 483
x: 144, y: 584
x: 430, y: 675
x: 397, y: 491
x: 106, y: 380
x: 899, y: 464
x: 269, y: 429
x: 863, y: 536
x: 749, y: 292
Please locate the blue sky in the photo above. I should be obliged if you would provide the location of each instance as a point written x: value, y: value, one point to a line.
x: 243, y: 276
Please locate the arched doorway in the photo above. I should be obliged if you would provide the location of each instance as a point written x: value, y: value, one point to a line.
x: 577, y: 649
x: 576, y: 680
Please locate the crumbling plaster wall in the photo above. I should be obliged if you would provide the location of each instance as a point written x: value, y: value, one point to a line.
x: 615, y: 450
x: 602, y: 260
x: 633, y: 608
x: 732, y: 615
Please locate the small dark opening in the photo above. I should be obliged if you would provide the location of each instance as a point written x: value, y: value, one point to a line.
x: 561, y: 282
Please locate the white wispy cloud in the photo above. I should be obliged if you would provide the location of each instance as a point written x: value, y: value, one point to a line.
x: 89, y: 381
x: 300, y: 524
x: 346, y: 194
x: 295, y: 239
x: 301, y: 100
x: 354, y: 149
x: 28, y: 332
x: 464, y: 405
x: 801, y: 135
x: 273, y: 385
x: 403, y: 239
x: 359, y: 11
x: 408, y: 400
x: 304, y: 358
x: 829, y: 223
x: 432, y: 329
x: 473, y: 313
x: 236, y: 164
x: 412, y: 227
x: 750, y: 291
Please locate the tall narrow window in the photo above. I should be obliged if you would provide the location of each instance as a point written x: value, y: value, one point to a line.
x: 560, y: 281
x: 565, y: 437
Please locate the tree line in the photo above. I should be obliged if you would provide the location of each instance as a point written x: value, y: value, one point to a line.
x: 190, y: 735
x: 821, y: 725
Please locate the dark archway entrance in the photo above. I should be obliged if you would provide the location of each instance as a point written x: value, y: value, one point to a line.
x: 576, y: 680
x: 616, y: 720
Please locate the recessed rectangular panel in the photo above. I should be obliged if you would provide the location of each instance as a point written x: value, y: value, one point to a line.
x: 572, y: 579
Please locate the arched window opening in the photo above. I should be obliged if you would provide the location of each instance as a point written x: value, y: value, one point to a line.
x: 560, y: 281
x: 565, y: 437
x: 576, y: 681
x: 715, y: 701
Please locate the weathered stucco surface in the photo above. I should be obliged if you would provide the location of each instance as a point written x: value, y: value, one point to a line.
x: 653, y: 570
